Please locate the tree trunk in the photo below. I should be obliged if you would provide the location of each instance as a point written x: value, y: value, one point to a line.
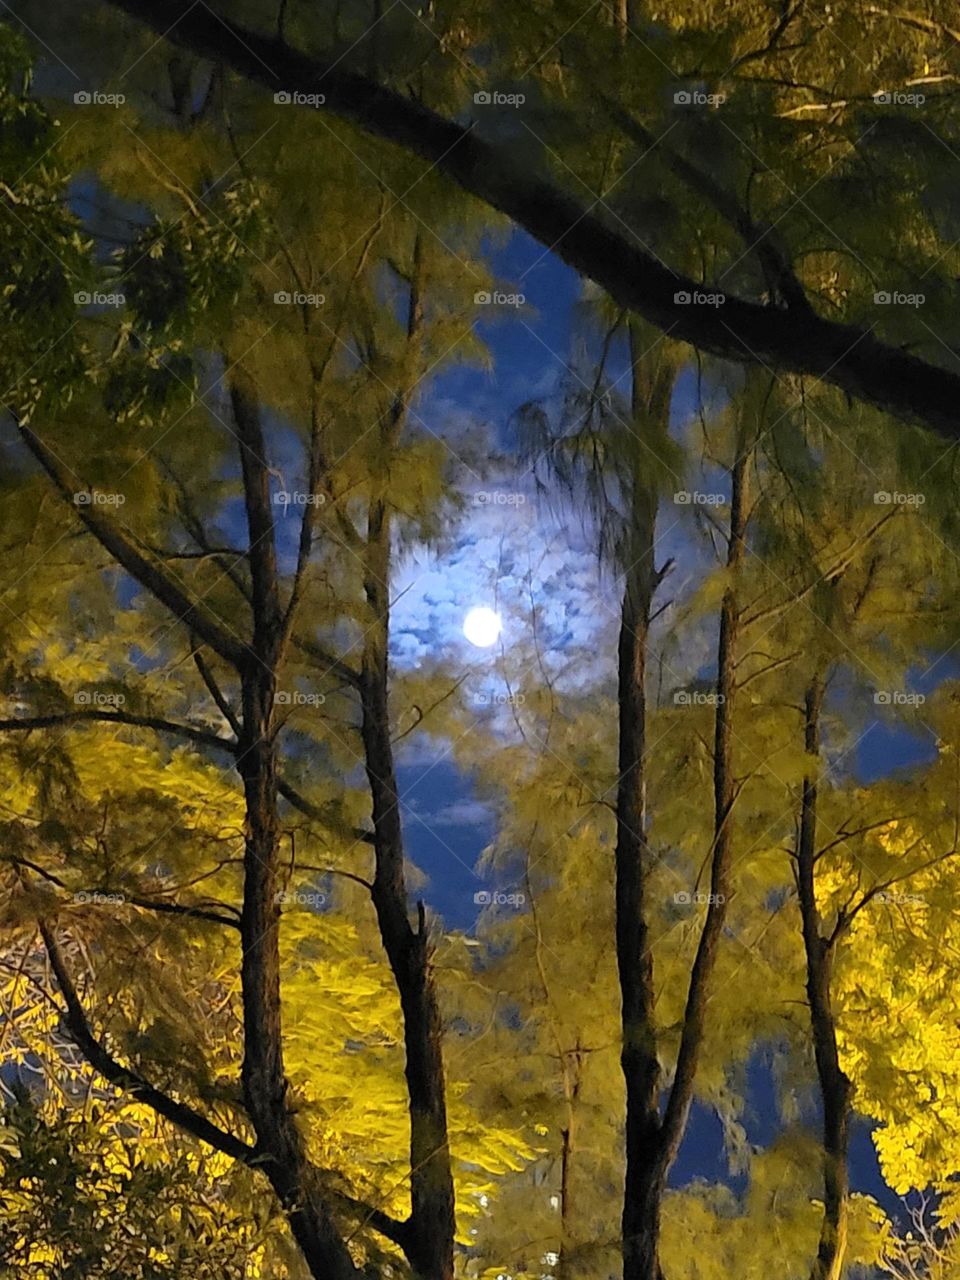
x: 568, y: 1267
x: 651, y: 1177
x: 432, y: 1224
x: 638, y: 1055
x: 279, y: 1142
x: 432, y: 1221
x: 835, y: 1087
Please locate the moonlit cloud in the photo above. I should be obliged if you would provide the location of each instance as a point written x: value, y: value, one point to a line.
x: 509, y: 554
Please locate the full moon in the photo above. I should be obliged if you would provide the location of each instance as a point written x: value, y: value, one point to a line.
x: 482, y: 627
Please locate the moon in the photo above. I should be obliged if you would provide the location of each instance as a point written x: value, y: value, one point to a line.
x: 482, y: 627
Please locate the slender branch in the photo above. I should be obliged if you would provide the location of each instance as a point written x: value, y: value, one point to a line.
x: 180, y: 909
x: 770, y: 666
x: 125, y: 1078
x: 148, y: 573
x: 332, y: 663
x: 207, y: 676
x: 194, y: 526
x: 846, y: 919
x: 422, y: 715
x: 840, y: 564
x: 319, y: 813
x: 201, y: 736
x: 918, y: 22
x: 859, y: 831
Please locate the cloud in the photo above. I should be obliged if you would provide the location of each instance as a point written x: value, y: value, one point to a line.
x: 461, y: 813
x: 509, y: 553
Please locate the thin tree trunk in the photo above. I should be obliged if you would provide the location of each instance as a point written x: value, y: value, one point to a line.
x: 432, y: 1222
x: 621, y: 18
x: 279, y: 1141
x: 724, y: 798
x: 638, y: 1055
x: 835, y: 1087
x: 567, y: 1267
x: 653, y: 1150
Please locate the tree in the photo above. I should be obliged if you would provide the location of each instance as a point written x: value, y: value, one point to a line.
x: 248, y: 623
x: 212, y: 478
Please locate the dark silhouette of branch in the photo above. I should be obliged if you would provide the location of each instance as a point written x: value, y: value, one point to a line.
x: 148, y: 573
x: 125, y: 1078
x: 202, y: 737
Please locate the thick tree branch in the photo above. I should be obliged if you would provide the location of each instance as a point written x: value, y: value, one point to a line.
x: 746, y: 332
x: 179, y: 1113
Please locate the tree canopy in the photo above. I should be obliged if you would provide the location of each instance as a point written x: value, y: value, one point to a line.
x: 693, y: 1014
